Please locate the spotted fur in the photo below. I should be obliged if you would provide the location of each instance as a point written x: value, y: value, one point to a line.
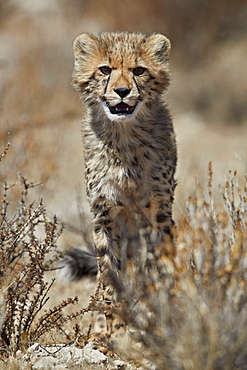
x: 129, y: 141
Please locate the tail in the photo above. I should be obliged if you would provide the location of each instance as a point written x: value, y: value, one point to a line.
x: 77, y: 263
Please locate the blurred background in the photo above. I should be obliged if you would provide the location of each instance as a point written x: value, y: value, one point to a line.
x: 42, y: 112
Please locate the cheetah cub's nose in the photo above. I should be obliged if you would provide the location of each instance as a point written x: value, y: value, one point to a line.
x: 122, y: 91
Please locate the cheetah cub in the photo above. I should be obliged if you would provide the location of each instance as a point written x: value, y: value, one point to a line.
x: 129, y: 143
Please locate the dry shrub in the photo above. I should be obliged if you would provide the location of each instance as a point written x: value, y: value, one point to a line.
x: 28, y: 249
x: 189, y: 308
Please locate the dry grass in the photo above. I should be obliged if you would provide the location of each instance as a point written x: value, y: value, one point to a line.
x: 28, y: 250
x: 189, y: 310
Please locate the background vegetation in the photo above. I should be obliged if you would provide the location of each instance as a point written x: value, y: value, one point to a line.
x: 41, y: 113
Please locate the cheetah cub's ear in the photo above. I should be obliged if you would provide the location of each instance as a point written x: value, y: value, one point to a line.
x: 85, y: 44
x: 159, y: 46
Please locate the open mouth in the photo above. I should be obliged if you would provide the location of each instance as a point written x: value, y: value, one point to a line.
x: 121, y: 108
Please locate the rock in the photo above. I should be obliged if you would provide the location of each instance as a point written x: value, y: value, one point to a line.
x: 119, y: 365
x: 93, y: 356
x: 59, y: 357
x: 54, y: 357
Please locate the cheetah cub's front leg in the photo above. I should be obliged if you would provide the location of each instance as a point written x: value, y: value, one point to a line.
x: 102, y: 235
x: 129, y: 142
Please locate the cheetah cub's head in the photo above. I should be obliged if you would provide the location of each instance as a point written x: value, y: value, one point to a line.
x: 120, y: 74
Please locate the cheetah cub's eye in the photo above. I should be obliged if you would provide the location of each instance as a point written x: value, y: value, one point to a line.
x: 105, y: 70
x: 138, y: 71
